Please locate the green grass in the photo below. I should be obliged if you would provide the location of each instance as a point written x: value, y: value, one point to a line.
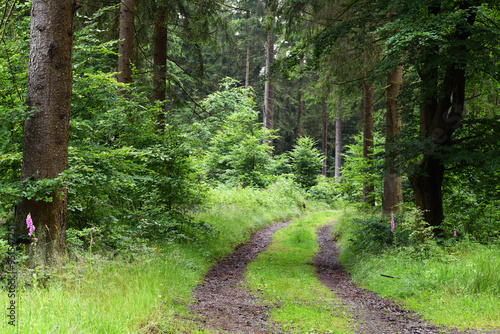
x: 284, y: 275
x: 148, y: 290
x: 457, y: 286
x: 110, y: 297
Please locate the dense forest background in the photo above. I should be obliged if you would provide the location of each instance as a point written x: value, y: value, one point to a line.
x: 394, y: 103
x: 142, y: 141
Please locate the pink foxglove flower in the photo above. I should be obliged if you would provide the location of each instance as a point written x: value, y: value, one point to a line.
x: 455, y: 232
x: 29, y: 224
x: 392, y: 223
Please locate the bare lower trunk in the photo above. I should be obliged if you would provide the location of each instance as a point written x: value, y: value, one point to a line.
x: 300, y: 108
x: 300, y: 112
x: 393, y: 192
x: 440, y: 116
x: 427, y: 186
x: 45, y: 141
x: 268, y: 87
x: 126, y: 44
x: 247, y: 67
x: 368, y: 187
x: 338, y: 140
x: 160, y: 63
x: 324, y: 137
x: 247, y: 58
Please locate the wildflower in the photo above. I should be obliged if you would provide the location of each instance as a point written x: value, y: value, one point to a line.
x: 29, y: 224
x: 91, y: 230
x: 392, y: 223
x: 455, y: 232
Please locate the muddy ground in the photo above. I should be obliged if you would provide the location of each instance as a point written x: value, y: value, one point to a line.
x: 222, y: 303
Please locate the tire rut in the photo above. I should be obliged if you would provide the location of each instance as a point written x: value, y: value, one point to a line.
x: 371, y: 313
x: 222, y: 303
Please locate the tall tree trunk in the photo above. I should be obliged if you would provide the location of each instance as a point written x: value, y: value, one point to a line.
x: 368, y: 187
x: 126, y: 44
x: 300, y: 109
x: 268, y: 87
x: 338, y: 139
x: 45, y: 142
x: 440, y: 117
x: 160, y: 63
x: 324, y: 137
x: 393, y: 192
x: 427, y: 187
x: 247, y: 58
x: 247, y: 66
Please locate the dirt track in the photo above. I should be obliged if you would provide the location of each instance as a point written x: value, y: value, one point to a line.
x: 223, y: 304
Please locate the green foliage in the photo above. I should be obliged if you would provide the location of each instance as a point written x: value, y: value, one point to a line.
x: 306, y: 161
x: 472, y: 205
x: 124, y: 179
x: 372, y: 234
x: 148, y: 191
x: 327, y: 190
x: 236, y: 152
x: 455, y: 287
x: 356, y: 170
x: 124, y: 291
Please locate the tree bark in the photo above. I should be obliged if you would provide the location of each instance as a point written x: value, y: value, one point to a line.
x: 300, y: 109
x: 324, y: 137
x: 368, y: 187
x: 160, y: 63
x: 247, y: 58
x: 126, y: 44
x: 45, y: 141
x: 427, y: 185
x: 440, y: 116
x: 268, y: 87
x: 338, y: 140
x: 247, y: 66
x: 393, y: 192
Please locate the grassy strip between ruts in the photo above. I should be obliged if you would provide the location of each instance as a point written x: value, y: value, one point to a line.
x: 457, y: 286
x: 284, y: 276
x: 148, y: 292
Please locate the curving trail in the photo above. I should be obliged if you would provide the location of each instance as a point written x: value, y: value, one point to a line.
x: 222, y: 304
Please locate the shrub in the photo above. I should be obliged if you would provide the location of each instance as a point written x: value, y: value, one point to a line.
x: 373, y: 234
x: 306, y: 161
x: 326, y: 190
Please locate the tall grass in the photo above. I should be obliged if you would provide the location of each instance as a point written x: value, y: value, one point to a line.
x: 152, y: 289
x: 457, y: 286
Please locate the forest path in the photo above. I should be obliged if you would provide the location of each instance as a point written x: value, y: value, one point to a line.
x: 223, y: 304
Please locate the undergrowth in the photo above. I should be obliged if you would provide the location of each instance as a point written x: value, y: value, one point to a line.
x: 455, y: 283
x: 147, y: 290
